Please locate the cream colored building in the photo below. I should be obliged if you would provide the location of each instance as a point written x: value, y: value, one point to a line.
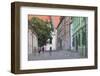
x: 32, y: 41
x: 64, y: 34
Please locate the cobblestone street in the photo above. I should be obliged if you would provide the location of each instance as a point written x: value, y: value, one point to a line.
x: 54, y: 55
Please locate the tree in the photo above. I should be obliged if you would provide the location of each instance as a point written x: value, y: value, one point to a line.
x: 43, y: 30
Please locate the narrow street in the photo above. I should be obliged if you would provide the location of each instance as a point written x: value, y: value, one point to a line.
x: 60, y: 32
x: 54, y: 55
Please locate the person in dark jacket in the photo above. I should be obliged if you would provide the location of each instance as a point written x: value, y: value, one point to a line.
x: 50, y: 52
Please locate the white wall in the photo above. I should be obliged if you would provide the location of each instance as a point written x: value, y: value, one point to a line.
x: 53, y: 45
x: 5, y: 42
x: 31, y: 46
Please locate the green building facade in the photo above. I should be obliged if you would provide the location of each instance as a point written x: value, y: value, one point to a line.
x: 80, y: 35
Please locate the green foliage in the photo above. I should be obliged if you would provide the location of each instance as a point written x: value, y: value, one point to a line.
x: 43, y: 30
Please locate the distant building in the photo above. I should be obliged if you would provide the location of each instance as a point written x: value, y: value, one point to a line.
x: 51, y: 43
x: 64, y: 34
x: 32, y: 40
x: 79, y: 35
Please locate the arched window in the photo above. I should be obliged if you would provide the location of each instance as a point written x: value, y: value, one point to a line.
x: 84, y: 37
x: 73, y: 42
x: 79, y: 39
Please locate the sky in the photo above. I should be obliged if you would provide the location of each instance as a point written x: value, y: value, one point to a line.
x: 55, y: 19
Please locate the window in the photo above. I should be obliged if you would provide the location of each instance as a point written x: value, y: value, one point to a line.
x: 50, y: 40
x: 84, y: 37
x: 79, y: 39
x: 73, y: 42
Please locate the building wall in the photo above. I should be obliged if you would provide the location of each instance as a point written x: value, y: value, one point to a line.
x: 67, y: 33
x: 79, y: 35
x: 29, y: 41
x: 32, y: 41
x: 54, y: 36
x: 63, y: 34
x: 53, y: 45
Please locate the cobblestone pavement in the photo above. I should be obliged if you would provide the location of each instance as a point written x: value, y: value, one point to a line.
x: 54, y: 55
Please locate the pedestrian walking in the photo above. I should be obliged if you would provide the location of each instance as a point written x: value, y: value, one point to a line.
x: 50, y: 51
x: 43, y: 49
x: 39, y: 50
